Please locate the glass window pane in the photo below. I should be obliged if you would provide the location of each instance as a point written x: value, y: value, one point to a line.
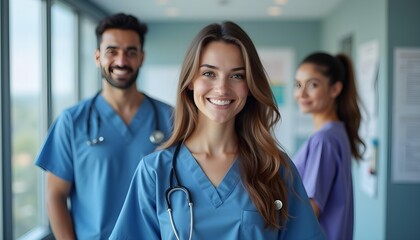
x: 90, y: 74
x: 25, y: 73
x: 64, y: 57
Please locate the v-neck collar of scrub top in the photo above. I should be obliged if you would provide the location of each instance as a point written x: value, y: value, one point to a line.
x: 215, y: 195
x: 128, y: 131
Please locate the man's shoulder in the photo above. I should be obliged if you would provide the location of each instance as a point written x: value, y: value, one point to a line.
x: 160, y: 103
x: 161, y: 106
x: 75, y: 111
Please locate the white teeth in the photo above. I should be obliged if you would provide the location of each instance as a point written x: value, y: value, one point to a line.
x: 220, y: 102
x: 119, y: 71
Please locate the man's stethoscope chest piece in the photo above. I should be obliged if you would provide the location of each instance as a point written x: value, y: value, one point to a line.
x: 156, y: 137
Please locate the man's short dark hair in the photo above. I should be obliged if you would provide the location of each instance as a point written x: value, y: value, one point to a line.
x: 124, y: 22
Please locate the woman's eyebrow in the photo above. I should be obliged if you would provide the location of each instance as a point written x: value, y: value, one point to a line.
x: 214, y: 67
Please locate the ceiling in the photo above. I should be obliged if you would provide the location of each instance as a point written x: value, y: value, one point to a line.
x: 214, y: 10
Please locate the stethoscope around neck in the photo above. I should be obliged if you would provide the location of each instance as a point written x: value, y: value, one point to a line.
x: 174, y: 188
x: 156, y: 137
x: 278, y: 204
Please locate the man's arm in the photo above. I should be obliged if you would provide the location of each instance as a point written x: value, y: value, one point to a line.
x: 58, y: 212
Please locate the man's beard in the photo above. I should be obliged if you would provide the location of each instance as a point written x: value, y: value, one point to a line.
x: 117, y: 84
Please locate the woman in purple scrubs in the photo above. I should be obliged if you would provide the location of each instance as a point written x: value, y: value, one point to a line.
x: 326, y: 89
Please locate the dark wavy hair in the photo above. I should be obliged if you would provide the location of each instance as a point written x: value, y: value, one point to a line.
x: 124, y: 22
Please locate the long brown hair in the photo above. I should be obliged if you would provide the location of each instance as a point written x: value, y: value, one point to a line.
x: 259, y: 154
x: 340, y: 69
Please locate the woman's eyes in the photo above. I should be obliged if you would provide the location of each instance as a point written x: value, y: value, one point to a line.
x: 208, y: 74
x: 312, y: 85
x: 239, y: 76
x: 308, y: 85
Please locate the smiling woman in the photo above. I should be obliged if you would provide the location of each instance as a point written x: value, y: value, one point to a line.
x: 238, y: 182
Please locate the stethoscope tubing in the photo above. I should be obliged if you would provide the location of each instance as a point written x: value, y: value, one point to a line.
x: 98, y: 139
x: 178, y: 187
x: 156, y: 137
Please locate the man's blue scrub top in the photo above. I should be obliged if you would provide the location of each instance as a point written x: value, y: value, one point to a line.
x: 100, y: 174
x: 225, y: 212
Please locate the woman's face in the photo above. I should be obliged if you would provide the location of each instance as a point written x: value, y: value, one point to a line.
x: 313, y: 92
x: 220, y: 87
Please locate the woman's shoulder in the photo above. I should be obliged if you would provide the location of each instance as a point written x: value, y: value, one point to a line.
x: 289, y: 166
x: 159, y: 156
x: 160, y: 162
x: 329, y: 133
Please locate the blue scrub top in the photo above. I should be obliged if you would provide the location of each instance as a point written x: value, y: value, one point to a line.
x: 225, y: 212
x: 100, y: 174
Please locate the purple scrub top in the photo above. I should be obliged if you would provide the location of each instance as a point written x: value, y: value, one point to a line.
x: 324, y: 163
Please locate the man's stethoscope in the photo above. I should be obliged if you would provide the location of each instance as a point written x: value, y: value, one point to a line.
x: 178, y: 187
x: 156, y: 137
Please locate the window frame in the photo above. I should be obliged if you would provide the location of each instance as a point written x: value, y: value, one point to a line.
x: 6, y: 173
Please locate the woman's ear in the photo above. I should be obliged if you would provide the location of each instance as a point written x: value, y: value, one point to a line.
x: 190, y: 86
x: 336, y: 89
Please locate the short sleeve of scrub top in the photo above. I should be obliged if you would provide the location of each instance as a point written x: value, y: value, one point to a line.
x: 58, y: 145
x: 225, y: 212
x: 301, y: 214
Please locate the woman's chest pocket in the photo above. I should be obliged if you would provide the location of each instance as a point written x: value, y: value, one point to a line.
x: 252, y: 227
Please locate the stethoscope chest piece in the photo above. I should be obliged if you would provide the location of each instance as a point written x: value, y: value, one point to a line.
x: 156, y: 137
x: 95, y: 141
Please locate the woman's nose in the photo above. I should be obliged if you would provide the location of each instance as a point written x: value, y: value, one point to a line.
x: 222, y: 86
x: 300, y: 92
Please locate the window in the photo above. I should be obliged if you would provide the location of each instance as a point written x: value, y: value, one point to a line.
x: 90, y: 80
x: 25, y: 91
x: 26, y: 110
x: 64, y: 57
